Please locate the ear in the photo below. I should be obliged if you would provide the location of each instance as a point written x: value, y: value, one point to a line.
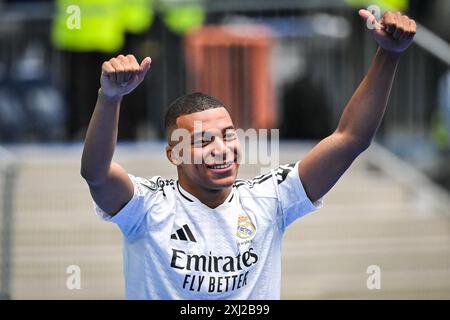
x: 169, y: 153
x: 172, y: 156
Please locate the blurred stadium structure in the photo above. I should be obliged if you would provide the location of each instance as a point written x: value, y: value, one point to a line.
x: 389, y: 210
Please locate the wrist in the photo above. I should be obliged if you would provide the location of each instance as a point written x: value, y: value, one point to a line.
x: 390, y: 54
x: 108, y: 98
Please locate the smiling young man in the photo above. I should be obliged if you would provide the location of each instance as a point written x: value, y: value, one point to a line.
x: 209, y: 235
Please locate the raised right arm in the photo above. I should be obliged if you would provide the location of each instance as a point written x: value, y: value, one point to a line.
x: 109, y: 184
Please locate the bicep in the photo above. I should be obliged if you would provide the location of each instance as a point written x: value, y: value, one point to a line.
x: 326, y: 163
x: 112, y: 194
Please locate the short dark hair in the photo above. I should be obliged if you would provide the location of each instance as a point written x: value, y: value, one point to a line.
x: 190, y: 103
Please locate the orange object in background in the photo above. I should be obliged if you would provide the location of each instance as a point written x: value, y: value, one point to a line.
x: 232, y: 63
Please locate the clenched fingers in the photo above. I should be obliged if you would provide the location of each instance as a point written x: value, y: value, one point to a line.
x: 399, y: 26
x: 121, y: 69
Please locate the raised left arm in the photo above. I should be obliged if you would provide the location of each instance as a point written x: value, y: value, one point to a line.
x: 330, y: 158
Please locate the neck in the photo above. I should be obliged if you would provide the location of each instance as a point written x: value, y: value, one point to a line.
x: 211, y: 198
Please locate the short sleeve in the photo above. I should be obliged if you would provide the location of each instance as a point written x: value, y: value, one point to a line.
x: 294, y: 203
x: 131, y: 218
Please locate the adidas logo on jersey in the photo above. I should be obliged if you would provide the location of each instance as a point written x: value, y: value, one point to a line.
x: 184, y: 234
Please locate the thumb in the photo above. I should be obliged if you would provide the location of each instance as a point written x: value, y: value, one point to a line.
x: 370, y: 19
x: 145, y: 66
x: 365, y: 14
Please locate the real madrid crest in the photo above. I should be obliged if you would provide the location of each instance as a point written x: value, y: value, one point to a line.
x: 245, y: 229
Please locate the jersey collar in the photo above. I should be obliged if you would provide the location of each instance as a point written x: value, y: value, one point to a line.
x: 188, y: 197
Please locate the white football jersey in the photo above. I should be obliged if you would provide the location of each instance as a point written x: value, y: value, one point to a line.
x: 176, y: 247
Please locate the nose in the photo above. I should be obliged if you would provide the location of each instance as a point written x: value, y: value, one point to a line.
x: 218, y: 146
x: 219, y: 149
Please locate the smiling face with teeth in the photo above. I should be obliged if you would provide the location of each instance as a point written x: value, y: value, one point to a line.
x: 218, y: 146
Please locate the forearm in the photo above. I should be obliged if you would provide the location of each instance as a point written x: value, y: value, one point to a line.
x: 364, y: 112
x: 101, y: 139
